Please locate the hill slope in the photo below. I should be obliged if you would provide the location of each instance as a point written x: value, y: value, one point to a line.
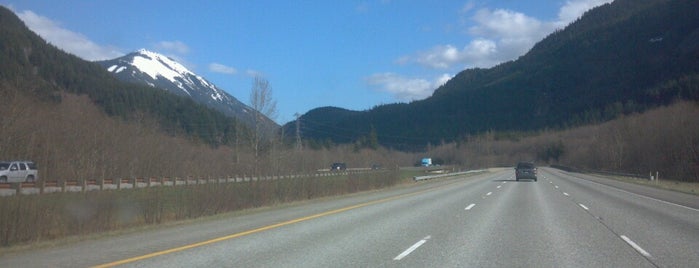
x: 622, y: 57
x: 43, y: 71
x: 149, y: 68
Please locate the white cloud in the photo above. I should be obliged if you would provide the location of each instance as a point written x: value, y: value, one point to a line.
x: 443, y: 79
x: 573, y: 9
x: 467, y: 7
x: 405, y: 88
x: 498, y: 35
x: 177, y: 47
x: 69, y: 41
x: 502, y: 23
x: 220, y: 68
x: 477, y: 53
x: 254, y: 73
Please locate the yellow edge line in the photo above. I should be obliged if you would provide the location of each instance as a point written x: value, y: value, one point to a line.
x: 236, y: 235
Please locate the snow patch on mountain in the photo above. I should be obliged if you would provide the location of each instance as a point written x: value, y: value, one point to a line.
x: 159, y: 71
x: 158, y: 66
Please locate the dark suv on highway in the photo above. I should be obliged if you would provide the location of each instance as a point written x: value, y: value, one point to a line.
x: 525, y: 171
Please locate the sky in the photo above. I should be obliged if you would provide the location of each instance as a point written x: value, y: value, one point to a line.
x: 348, y: 54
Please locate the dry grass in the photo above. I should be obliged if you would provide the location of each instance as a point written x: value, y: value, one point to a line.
x: 36, y: 218
x: 678, y: 186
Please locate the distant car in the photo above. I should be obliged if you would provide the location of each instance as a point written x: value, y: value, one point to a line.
x: 18, y: 171
x: 338, y: 166
x: 525, y: 171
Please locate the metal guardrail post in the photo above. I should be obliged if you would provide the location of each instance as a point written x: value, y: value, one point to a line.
x: 18, y: 188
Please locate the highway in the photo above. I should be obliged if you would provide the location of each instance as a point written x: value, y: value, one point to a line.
x: 482, y: 220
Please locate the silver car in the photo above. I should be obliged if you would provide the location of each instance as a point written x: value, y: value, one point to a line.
x: 18, y: 171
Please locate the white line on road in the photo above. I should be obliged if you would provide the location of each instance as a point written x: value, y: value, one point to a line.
x: 566, y: 194
x: 470, y: 206
x: 635, y: 246
x: 640, y: 195
x: 499, y: 186
x: 556, y: 186
x: 583, y: 206
x: 489, y: 193
x: 411, y: 249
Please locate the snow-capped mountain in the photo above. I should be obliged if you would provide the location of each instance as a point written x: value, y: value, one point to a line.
x: 156, y: 70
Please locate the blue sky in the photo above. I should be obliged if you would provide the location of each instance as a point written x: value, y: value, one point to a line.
x: 348, y: 54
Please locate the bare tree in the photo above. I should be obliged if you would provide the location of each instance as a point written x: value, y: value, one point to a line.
x: 265, y: 109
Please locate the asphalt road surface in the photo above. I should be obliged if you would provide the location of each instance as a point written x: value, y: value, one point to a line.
x: 484, y: 220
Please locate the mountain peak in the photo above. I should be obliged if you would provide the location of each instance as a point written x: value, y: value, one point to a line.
x: 157, y: 70
x: 155, y: 64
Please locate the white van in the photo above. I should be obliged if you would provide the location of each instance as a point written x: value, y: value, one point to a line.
x: 18, y: 171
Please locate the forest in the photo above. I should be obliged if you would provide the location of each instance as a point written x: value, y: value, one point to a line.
x: 617, y: 59
x: 78, y: 122
x: 37, y: 68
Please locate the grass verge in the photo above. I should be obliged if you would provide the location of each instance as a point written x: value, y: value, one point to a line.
x: 677, y: 186
x: 31, y: 219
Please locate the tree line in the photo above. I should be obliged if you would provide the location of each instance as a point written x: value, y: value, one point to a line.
x: 618, y: 59
x: 37, y: 68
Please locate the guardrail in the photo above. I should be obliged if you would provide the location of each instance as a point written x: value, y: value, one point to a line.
x: 429, y: 177
x: 44, y: 186
x: 602, y: 172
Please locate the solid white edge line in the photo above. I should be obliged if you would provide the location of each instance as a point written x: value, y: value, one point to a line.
x: 470, y: 206
x: 583, y: 206
x: 411, y: 249
x: 639, y: 195
x: 635, y: 246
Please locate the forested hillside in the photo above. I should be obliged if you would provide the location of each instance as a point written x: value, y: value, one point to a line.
x: 619, y: 58
x: 76, y: 121
x: 42, y: 71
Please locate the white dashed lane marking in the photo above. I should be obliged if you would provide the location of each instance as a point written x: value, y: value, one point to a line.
x: 635, y: 246
x: 411, y: 249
